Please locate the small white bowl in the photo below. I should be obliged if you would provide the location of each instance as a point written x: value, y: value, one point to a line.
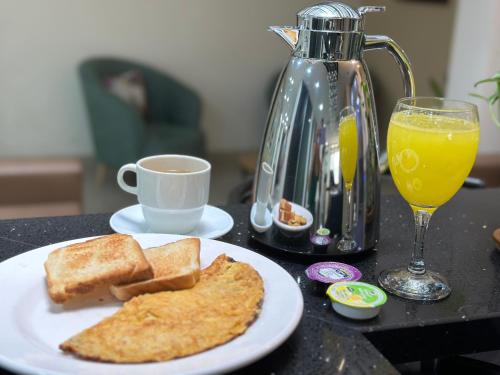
x: 302, y: 211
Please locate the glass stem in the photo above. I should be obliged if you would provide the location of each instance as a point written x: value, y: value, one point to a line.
x: 417, y: 264
x: 348, y: 225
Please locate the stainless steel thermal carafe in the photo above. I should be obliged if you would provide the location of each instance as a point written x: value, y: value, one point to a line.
x: 320, y: 149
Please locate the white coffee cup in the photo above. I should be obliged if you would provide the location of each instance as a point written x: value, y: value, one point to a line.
x: 172, y: 190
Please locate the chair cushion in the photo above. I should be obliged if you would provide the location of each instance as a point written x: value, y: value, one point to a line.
x: 129, y: 86
x: 172, y: 139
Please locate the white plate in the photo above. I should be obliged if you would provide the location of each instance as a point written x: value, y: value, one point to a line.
x: 32, y: 327
x: 214, y: 222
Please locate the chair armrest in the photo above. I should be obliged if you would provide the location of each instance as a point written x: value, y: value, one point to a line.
x: 118, y: 128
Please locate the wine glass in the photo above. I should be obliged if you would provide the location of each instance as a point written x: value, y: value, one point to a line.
x: 431, y: 145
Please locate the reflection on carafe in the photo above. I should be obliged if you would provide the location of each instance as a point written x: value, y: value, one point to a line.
x: 348, y: 143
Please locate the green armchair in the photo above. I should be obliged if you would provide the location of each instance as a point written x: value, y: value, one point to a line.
x: 121, y: 135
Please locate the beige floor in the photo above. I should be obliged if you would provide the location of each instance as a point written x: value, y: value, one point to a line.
x: 108, y: 197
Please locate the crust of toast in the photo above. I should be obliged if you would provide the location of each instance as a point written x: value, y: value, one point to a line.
x: 79, y: 268
x: 175, y: 266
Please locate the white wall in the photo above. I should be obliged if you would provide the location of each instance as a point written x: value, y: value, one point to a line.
x: 219, y: 47
x: 475, y: 56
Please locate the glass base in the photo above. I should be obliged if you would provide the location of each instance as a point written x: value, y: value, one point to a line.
x: 347, y: 245
x: 430, y: 286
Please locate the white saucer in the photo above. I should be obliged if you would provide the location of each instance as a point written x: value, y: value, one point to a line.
x: 214, y: 222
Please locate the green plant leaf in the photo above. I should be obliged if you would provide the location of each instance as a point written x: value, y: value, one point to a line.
x: 491, y: 106
x: 493, y: 116
x: 486, y: 80
x: 436, y: 87
x: 478, y: 96
x: 493, y: 98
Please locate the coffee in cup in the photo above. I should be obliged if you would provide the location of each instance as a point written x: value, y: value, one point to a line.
x: 172, y: 190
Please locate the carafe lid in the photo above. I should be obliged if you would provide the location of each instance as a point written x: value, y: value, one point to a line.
x: 333, y: 16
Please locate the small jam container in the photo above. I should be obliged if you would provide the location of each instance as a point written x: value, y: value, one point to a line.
x: 332, y: 272
x: 356, y: 300
x: 321, y: 238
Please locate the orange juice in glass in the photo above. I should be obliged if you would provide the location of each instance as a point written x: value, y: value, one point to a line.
x: 430, y: 156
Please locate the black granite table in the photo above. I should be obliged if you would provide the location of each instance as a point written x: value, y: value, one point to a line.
x: 459, y: 245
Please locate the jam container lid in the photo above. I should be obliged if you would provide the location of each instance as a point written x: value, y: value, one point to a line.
x: 357, y: 294
x: 321, y: 237
x: 332, y: 272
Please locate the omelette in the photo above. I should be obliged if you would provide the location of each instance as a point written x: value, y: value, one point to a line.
x: 172, y: 324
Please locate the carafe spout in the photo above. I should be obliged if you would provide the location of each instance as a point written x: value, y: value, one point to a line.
x: 289, y: 34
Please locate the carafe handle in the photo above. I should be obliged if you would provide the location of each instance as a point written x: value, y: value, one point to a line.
x: 384, y: 42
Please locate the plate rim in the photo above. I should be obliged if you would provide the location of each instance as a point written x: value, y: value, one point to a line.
x: 228, y: 365
x: 216, y: 234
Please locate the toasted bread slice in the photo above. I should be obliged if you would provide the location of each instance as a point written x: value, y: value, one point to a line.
x: 175, y: 266
x: 79, y: 268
